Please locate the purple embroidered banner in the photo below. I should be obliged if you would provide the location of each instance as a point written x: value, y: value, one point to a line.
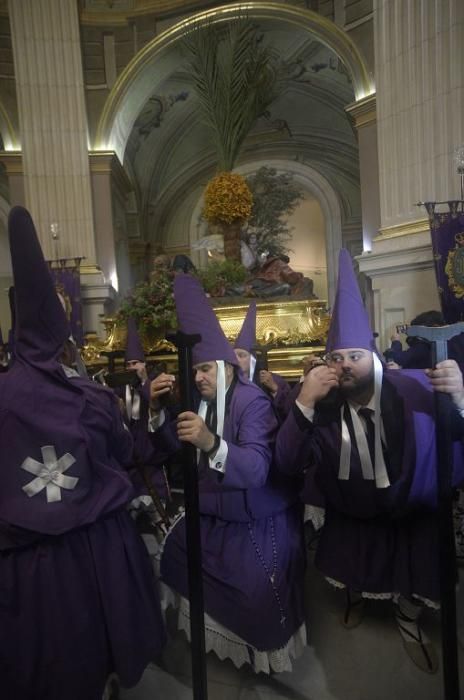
x: 66, y: 274
x: 447, y: 232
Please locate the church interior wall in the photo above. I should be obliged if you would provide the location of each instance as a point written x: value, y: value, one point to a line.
x: 307, y: 244
x: 419, y: 92
x: 396, y: 301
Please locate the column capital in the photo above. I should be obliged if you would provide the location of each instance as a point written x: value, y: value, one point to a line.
x: 364, y: 112
x: 108, y: 162
x: 405, y: 229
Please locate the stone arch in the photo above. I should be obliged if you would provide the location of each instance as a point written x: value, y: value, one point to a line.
x: 315, y: 183
x: 135, y: 84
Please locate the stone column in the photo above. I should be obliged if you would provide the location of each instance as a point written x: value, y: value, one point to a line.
x: 363, y: 113
x: 51, y: 175
x: 53, y: 123
x: 419, y: 63
x: 110, y: 189
x: 419, y: 60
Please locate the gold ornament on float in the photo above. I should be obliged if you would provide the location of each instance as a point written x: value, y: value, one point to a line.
x: 227, y: 199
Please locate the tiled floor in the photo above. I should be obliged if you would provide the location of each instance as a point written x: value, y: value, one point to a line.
x: 367, y: 663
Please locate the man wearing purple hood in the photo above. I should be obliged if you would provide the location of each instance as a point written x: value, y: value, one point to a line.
x: 273, y: 384
x: 251, y: 533
x: 368, y: 439
x: 77, y: 593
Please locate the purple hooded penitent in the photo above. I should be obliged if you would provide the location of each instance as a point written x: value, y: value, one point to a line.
x: 248, y: 515
x: 380, y: 531
x: 134, y: 347
x: 41, y: 326
x: 67, y: 544
x: 195, y: 315
x: 349, y: 326
x: 246, y: 339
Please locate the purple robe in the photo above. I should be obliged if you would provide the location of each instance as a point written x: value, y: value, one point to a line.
x: 378, y: 541
x: 78, y: 599
x: 144, y: 456
x: 250, y: 527
x: 281, y: 399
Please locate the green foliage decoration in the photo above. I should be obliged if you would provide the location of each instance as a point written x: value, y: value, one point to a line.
x: 235, y: 77
x: 275, y: 197
x: 151, y: 304
x: 220, y: 274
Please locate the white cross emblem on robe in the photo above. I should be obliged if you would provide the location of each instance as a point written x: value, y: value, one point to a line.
x: 49, y: 474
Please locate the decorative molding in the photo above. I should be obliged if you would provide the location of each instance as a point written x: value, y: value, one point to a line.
x: 396, y: 261
x: 364, y: 112
x: 108, y: 162
x: 159, y: 8
x: 90, y: 270
x: 13, y: 162
x: 406, y: 229
x: 358, y: 22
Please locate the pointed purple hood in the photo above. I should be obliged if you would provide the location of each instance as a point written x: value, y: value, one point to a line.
x: 195, y: 315
x: 246, y: 339
x: 134, y: 347
x: 349, y: 326
x: 41, y: 326
x: 62, y: 442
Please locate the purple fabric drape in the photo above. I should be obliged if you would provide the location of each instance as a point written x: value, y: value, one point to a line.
x: 66, y: 275
x: 447, y: 231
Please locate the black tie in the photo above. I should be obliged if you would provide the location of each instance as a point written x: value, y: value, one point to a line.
x: 211, y: 418
x: 368, y: 415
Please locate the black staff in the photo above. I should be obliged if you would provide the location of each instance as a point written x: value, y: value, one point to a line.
x: 184, y: 345
x: 263, y: 352
x: 438, y: 338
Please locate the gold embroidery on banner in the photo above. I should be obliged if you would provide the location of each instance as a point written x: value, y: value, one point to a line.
x: 454, y: 268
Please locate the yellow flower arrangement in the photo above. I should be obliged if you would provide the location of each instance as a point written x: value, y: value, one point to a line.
x: 227, y: 198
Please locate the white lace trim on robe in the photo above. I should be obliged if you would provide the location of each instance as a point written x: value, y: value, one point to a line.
x: 227, y: 645
x: 386, y: 596
x: 224, y: 643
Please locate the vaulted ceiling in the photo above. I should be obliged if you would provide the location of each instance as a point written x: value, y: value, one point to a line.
x: 170, y: 155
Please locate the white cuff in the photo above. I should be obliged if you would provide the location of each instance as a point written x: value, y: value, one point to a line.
x: 155, y: 420
x: 307, y: 412
x: 218, y: 461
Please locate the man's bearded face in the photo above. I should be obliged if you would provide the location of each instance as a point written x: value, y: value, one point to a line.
x: 355, y: 370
